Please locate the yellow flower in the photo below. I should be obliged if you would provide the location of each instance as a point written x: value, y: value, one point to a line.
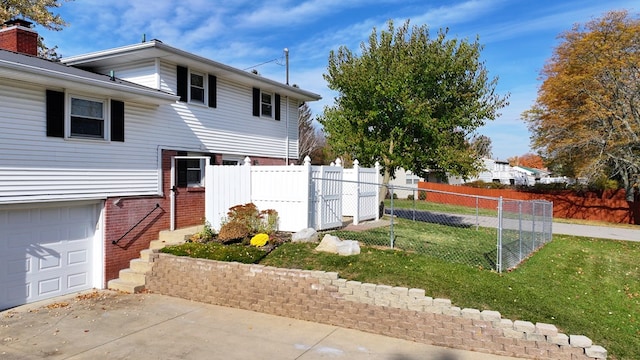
x: 259, y: 240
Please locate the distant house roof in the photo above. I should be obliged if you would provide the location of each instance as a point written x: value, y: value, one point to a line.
x: 57, y: 75
x: 533, y: 171
x: 157, y: 49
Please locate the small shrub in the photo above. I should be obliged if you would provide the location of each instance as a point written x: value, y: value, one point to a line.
x: 422, y: 195
x: 233, y: 231
x: 268, y: 222
x: 205, y: 235
x: 410, y: 197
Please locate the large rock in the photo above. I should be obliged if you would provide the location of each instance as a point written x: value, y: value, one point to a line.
x: 329, y: 244
x: 349, y: 247
x: 305, y: 235
x: 333, y: 244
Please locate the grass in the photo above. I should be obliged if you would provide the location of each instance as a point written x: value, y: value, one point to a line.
x: 460, y: 244
x: 584, y: 286
x: 438, y: 208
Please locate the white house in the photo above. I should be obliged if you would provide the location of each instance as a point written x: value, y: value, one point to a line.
x: 100, y: 142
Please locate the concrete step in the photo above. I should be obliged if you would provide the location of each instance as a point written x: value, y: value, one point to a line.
x: 130, y: 276
x: 144, y: 254
x: 159, y: 244
x: 140, y: 266
x: 179, y: 234
x: 124, y: 286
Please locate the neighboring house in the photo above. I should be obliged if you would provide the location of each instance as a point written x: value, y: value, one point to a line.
x: 93, y: 144
x: 405, y: 181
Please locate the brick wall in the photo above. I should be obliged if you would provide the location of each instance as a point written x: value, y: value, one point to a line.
x: 391, y: 311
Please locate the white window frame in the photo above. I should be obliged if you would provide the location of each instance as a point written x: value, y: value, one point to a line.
x: 106, y: 118
x: 205, y: 88
x: 200, y: 169
x: 263, y: 104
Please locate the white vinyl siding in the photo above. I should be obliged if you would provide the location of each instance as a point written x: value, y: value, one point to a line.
x: 143, y: 73
x: 36, y: 167
x: 230, y: 128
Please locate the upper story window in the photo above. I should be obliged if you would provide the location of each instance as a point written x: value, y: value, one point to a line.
x: 196, y: 88
x: 266, y: 105
x: 87, y: 118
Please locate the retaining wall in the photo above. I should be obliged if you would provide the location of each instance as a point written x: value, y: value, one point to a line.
x: 391, y: 311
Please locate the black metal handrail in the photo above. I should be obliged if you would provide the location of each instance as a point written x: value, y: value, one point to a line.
x: 115, y: 242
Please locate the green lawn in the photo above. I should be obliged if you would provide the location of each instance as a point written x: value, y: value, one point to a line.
x: 460, y: 244
x: 439, y: 208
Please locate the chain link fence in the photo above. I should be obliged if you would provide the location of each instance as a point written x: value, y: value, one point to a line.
x: 484, y: 232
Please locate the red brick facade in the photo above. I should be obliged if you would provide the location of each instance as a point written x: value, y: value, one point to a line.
x: 121, y: 214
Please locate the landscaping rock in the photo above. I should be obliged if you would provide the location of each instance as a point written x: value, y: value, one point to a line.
x: 333, y: 244
x: 329, y: 244
x: 305, y: 235
x: 348, y: 247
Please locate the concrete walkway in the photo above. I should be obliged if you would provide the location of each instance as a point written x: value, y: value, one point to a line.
x: 111, y: 325
x: 601, y: 232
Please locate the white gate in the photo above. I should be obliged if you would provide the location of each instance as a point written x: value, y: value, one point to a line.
x: 360, y: 193
x: 326, y: 191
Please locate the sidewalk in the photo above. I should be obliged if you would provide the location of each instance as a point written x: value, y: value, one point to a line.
x: 110, y: 325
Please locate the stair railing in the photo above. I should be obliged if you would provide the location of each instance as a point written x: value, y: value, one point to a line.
x: 115, y: 242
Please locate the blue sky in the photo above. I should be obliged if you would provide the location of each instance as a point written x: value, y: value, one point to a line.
x: 518, y: 35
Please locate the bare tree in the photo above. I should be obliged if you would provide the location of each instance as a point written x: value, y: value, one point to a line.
x: 308, y: 138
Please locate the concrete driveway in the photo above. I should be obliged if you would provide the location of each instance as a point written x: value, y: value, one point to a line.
x: 110, y: 325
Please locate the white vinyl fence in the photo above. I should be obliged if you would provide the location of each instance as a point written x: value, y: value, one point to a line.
x: 304, y: 195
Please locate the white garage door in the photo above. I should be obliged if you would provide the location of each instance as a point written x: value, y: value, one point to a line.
x: 46, y: 251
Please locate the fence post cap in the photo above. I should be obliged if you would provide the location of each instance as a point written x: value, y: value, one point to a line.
x: 247, y: 161
x: 307, y: 160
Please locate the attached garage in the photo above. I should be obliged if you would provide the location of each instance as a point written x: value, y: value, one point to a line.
x: 48, y: 250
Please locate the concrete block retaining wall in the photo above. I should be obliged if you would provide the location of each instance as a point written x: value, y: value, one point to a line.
x: 391, y: 311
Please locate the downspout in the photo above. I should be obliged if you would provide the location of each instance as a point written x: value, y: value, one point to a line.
x: 287, y: 131
x: 172, y: 195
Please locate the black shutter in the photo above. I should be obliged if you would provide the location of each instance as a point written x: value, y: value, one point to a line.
x: 55, y: 113
x: 256, y: 102
x: 213, y: 91
x: 277, y: 107
x: 182, y: 79
x: 117, y: 120
x: 212, y: 159
x: 181, y: 167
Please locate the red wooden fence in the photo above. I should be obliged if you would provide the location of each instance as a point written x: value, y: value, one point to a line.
x: 609, y: 206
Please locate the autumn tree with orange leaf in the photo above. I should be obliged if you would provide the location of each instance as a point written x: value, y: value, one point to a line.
x: 586, y: 119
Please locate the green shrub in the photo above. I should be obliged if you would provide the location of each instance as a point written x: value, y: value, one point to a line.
x: 410, y: 197
x: 422, y: 195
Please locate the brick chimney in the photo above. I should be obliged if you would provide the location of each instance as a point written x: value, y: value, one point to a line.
x: 17, y: 35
